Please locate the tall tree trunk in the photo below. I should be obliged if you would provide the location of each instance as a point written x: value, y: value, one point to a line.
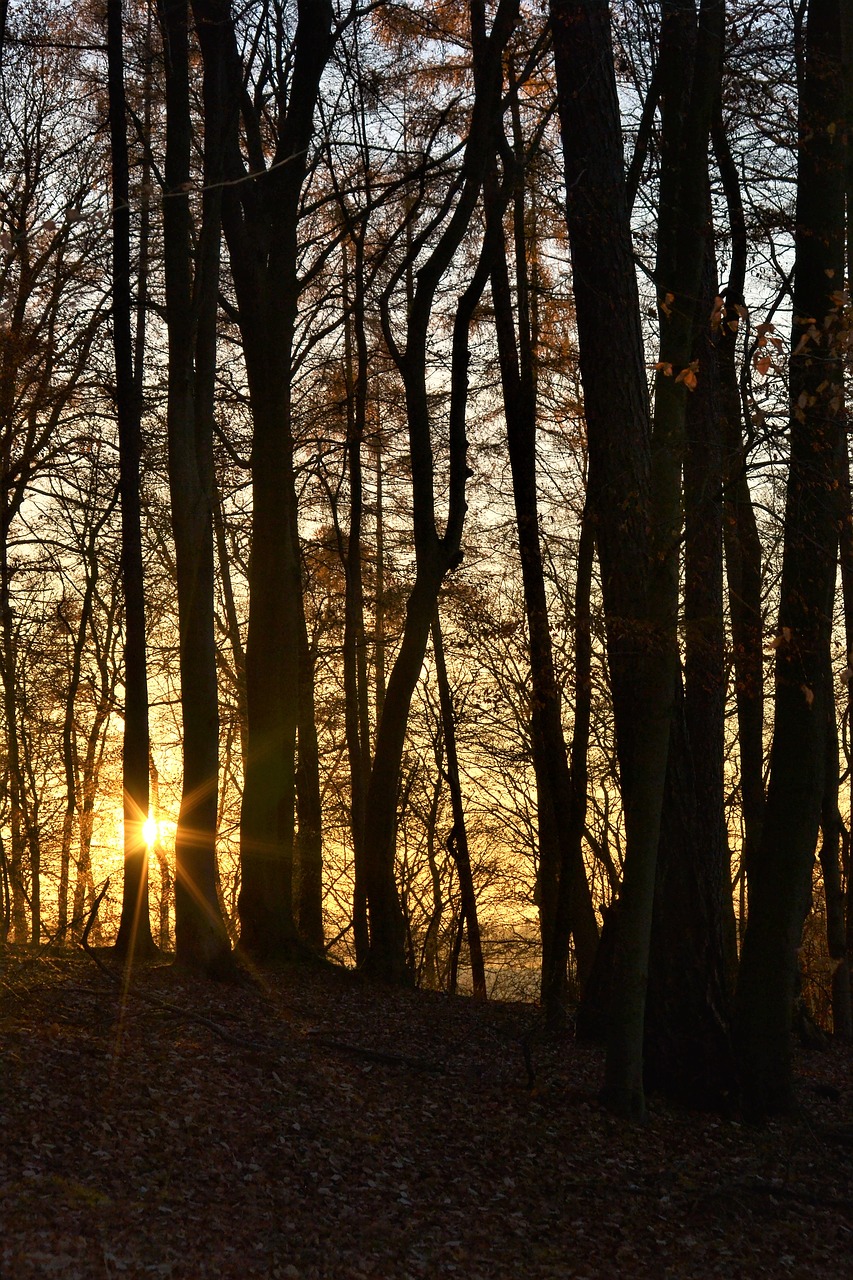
x: 436, y: 554
x: 781, y: 877
x: 740, y: 530
x: 458, y: 840
x: 608, y: 319
x: 640, y: 573
x: 705, y: 638
x: 562, y: 878
x: 134, y: 934
x: 693, y: 954
x: 428, y: 975
x: 163, y: 905
x: 232, y: 622
x: 88, y: 770
x: 832, y: 825
x: 688, y: 988
x: 260, y: 220
x: 201, y: 940
x: 77, y: 640
x: 379, y: 606
x: 309, y: 838
x: 13, y: 780
x: 847, y: 515
x: 846, y: 566
x: 355, y: 647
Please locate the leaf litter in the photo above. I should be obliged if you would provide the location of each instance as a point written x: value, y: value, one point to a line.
x: 308, y: 1126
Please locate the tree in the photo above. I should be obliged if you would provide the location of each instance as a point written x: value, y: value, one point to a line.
x: 49, y: 318
x: 638, y: 544
x: 134, y: 935
x: 436, y: 553
x: 457, y: 841
x: 192, y: 282
x: 94, y: 517
x: 780, y: 885
x: 740, y: 530
x: 565, y: 903
x: 260, y: 221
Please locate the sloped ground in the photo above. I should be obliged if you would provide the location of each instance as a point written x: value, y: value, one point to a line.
x: 313, y: 1127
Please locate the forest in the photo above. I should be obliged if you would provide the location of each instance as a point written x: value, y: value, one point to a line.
x: 426, y: 638
x: 426, y: 540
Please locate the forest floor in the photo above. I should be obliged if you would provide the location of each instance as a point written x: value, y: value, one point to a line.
x: 309, y: 1126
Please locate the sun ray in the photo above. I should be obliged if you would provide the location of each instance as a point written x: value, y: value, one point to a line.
x: 150, y: 831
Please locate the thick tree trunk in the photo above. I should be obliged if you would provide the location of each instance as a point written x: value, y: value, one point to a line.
x: 686, y: 988
x: 705, y: 675
x: 260, y: 220
x: 639, y: 571
x: 134, y: 935
x: 781, y: 877
x: 201, y: 940
x: 847, y: 517
x: 608, y: 318
x: 693, y: 955
x: 846, y: 565
x: 265, y: 904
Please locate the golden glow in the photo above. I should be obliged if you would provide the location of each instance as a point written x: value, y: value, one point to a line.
x: 150, y: 832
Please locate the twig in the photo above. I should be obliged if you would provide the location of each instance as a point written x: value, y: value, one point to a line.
x: 374, y: 1055
x: 84, y: 941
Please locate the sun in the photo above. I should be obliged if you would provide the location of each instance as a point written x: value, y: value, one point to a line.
x: 150, y: 831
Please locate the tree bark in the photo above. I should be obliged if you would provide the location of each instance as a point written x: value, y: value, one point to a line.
x: 77, y: 640
x: 693, y: 956
x: 436, y: 554
x: 163, y: 905
x: 192, y: 279
x: 309, y: 837
x: 13, y: 780
x: 608, y: 320
x: 134, y: 934
x: 458, y: 839
x: 846, y: 526
x: 260, y: 219
x: 638, y: 542
x: 740, y: 530
x: 355, y: 649
x: 565, y: 902
x: 832, y: 825
x: 781, y: 877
